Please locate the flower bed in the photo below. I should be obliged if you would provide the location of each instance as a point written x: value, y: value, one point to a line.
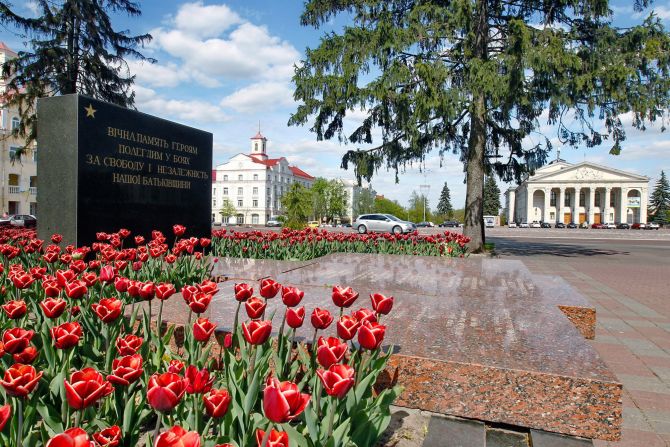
x: 84, y: 365
x: 301, y: 245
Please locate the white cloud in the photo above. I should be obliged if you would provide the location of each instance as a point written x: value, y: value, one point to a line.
x: 190, y: 110
x: 157, y: 75
x: 205, y: 21
x: 262, y: 96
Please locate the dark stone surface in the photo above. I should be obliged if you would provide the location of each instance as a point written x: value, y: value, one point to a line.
x: 108, y: 167
x: 447, y: 432
x: 541, y: 438
x: 505, y: 438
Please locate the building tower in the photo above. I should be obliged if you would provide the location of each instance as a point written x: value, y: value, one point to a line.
x: 258, y: 146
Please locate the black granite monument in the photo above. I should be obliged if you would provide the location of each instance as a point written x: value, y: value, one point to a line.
x: 104, y: 167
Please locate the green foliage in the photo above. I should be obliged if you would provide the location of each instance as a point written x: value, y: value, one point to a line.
x: 73, y: 48
x: 329, y: 199
x: 491, y: 197
x: 415, y: 210
x: 444, y: 207
x: 365, y: 202
x: 227, y: 209
x: 386, y: 206
x: 297, y: 203
x: 473, y: 77
x: 659, y: 203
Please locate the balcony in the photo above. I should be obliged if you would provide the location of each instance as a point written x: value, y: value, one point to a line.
x: 13, y: 189
x: 33, y: 190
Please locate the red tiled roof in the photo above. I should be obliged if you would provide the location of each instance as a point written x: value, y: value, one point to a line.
x: 268, y: 162
x: 4, y: 46
x: 258, y: 136
x: 300, y: 173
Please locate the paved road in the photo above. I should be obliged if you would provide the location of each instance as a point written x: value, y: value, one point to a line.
x: 628, y: 281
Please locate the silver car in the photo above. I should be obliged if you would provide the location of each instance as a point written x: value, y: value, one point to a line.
x: 383, y: 223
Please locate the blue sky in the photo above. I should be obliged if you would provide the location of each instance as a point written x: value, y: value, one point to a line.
x: 224, y: 66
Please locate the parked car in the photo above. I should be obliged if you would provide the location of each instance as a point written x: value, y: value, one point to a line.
x: 571, y: 225
x: 382, y: 223
x: 545, y: 225
x: 313, y: 224
x: 523, y: 225
x: 638, y: 226
x: 273, y: 223
x: 609, y: 226
x: 535, y: 224
x: 511, y: 225
x: 425, y: 225
x: 346, y: 225
x: 652, y: 226
x: 449, y: 224
x: 623, y: 226
x: 598, y: 226
x: 559, y: 225
x: 19, y: 220
x: 584, y: 225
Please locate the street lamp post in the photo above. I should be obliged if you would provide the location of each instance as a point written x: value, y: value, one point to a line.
x: 424, y: 192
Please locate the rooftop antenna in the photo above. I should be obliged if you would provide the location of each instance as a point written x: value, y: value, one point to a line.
x: 259, y: 126
x: 558, y: 153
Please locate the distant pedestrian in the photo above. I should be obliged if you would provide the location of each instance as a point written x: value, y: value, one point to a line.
x: 5, y: 215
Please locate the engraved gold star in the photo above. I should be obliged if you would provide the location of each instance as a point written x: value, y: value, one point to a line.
x: 90, y: 111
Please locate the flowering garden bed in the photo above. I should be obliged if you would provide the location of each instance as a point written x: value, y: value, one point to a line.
x: 83, y: 364
x: 301, y: 245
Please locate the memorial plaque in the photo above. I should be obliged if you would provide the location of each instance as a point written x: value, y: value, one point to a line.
x: 104, y: 167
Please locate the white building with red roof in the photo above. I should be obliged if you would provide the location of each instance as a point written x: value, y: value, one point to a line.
x: 254, y: 184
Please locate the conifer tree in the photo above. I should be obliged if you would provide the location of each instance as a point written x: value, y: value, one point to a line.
x: 444, y: 206
x: 473, y: 77
x: 660, y: 201
x: 491, y: 197
x: 74, y: 48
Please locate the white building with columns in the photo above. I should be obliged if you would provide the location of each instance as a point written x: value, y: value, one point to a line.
x: 583, y: 192
x: 254, y: 184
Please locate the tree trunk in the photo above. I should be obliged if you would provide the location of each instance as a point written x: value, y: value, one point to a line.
x: 474, y: 197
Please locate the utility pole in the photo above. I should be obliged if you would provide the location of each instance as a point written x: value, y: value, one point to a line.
x: 424, y: 191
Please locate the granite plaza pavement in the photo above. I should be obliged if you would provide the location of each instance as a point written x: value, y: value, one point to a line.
x: 626, y: 276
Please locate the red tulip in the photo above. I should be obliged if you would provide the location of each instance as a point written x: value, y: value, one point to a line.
x: 107, y: 274
x: 22, y: 280
x: 371, y: 335
x: 178, y: 437
x: 209, y: 287
x: 129, y: 344
x: 124, y: 233
x: 216, y: 403
x: 165, y: 391
x: 51, y: 288
x: 198, y: 381
x: 75, y: 289
x: 199, y: 302
x: 321, y: 318
x: 53, y: 307
x: 121, y: 284
x: 85, y: 388
x: 203, y: 330
x: 179, y: 230
x: 295, y: 317
x: 27, y: 356
x: 5, y: 415
x: 72, y: 437
x: 347, y: 327
x: 243, y: 292
x: 126, y: 370
x: 282, y: 401
x: 175, y: 366
x: 15, y: 309
x: 109, y: 437
x: 187, y: 292
x: 363, y: 315
x: 269, y: 288
x: 344, y: 296
x: 108, y: 309
x: 90, y: 279
x: 291, y: 296
x: 66, y: 335
x: 20, y: 380
x: 256, y: 332
x: 337, y: 380
x: 16, y: 339
x: 276, y: 439
x: 255, y: 308
x: 165, y: 290
x: 381, y: 304
x: 56, y: 238
x: 65, y: 276
x: 330, y: 351
x: 205, y: 242
x: 147, y: 291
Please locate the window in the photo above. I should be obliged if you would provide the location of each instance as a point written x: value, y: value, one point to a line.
x: 12, y: 152
x: 612, y: 200
x: 582, y: 198
x: 225, y: 191
x: 256, y: 147
x: 255, y: 203
x: 596, y: 201
x: 255, y: 191
x: 552, y: 198
x: 254, y: 218
x: 268, y: 190
x: 239, y: 202
x: 214, y: 203
x: 213, y: 191
x: 225, y: 178
x: 35, y: 155
x: 567, y: 199
x: 240, y: 218
x: 255, y: 176
x: 240, y: 191
x: 240, y: 177
x: 15, y: 123
x: 267, y: 201
x: 33, y: 208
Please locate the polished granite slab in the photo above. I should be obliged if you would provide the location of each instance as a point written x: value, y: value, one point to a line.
x: 477, y: 338
x: 252, y: 269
